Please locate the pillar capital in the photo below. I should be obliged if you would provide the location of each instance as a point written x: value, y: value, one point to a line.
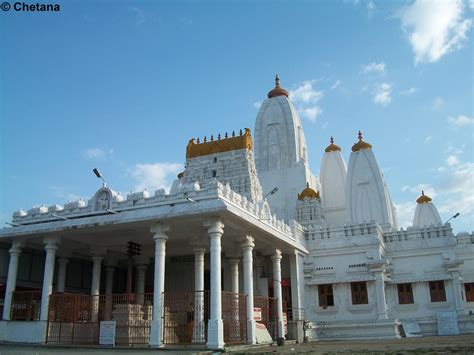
x: 199, y: 251
x: 234, y: 261
x: 97, y: 258
x: 51, y: 243
x: 141, y: 260
x: 276, y: 256
x: 214, y: 225
x: 16, y: 247
x: 63, y: 260
x: 160, y: 230
x: 248, y: 242
x: 98, y: 251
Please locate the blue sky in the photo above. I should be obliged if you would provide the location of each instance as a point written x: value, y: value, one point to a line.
x: 122, y: 86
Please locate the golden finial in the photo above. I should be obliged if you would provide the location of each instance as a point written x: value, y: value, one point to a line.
x: 423, y: 198
x: 205, y: 139
x: 277, y: 91
x: 360, y: 144
x: 240, y: 133
x: 332, y: 147
x: 219, y: 136
x: 226, y: 135
x: 198, y: 141
x: 308, y: 192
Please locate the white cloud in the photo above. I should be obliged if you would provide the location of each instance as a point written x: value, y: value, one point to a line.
x: 139, y: 15
x: 452, y: 160
x: 434, y: 27
x: 428, y: 139
x: 370, y: 7
x: 305, y: 98
x: 471, y: 4
x: 438, y: 102
x: 405, y: 213
x: 310, y: 113
x: 336, y: 85
x: 257, y: 104
x: 382, y: 94
x: 306, y: 93
x: 410, y: 91
x: 155, y: 176
x: 62, y: 193
x: 96, y: 153
x: 453, y: 192
x: 374, y: 68
x: 460, y: 121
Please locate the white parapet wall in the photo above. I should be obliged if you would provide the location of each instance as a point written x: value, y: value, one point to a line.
x: 33, y: 332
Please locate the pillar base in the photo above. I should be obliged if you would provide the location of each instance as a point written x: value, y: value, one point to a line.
x: 281, y: 330
x: 251, y: 336
x: 156, y: 340
x: 215, y: 334
x: 382, y: 316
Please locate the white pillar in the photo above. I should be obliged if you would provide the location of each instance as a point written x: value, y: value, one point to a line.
x: 380, y: 294
x: 458, y: 292
x: 95, y: 285
x: 50, y: 247
x: 276, y: 259
x: 234, y: 275
x: 15, y: 252
x: 247, y: 263
x: 215, y: 329
x: 141, y: 271
x: 62, y: 269
x: 109, y: 279
x: 96, y: 269
x: 297, y: 286
x: 160, y: 237
x: 199, y: 326
x: 109, y: 286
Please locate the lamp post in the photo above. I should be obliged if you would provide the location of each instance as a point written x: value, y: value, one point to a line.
x: 455, y: 216
x: 99, y: 175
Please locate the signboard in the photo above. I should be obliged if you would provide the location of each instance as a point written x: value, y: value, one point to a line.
x: 257, y: 314
x: 412, y: 329
x: 447, y: 323
x: 107, y: 332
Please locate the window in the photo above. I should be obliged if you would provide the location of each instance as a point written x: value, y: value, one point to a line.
x: 359, y: 293
x: 405, y: 293
x: 214, y: 173
x: 326, y: 297
x: 469, y: 287
x: 437, y: 292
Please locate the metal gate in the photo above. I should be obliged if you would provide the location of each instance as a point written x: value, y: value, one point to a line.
x: 185, y: 317
x: 234, y: 316
x: 75, y: 318
x: 269, y: 313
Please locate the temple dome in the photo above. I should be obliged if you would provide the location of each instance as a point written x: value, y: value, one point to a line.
x: 361, y: 144
x: 308, y: 192
x: 332, y: 147
x: 277, y: 91
x: 423, y: 198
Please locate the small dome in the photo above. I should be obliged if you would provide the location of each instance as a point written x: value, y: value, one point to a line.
x: 308, y: 192
x: 423, y: 198
x: 332, y: 147
x: 361, y: 144
x: 277, y: 91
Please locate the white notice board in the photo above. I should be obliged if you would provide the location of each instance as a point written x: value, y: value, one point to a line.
x: 447, y: 323
x: 107, y: 332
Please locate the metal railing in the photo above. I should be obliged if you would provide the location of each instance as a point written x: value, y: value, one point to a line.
x: 75, y: 318
x: 26, y: 305
x: 185, y: 317
x: 234, y: 317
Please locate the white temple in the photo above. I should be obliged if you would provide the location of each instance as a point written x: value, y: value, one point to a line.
x: 219, y: 260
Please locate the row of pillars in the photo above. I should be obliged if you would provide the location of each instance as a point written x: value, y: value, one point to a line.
x: 160, y: 236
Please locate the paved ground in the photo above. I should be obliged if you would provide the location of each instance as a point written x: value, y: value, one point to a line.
x: 462, y: 344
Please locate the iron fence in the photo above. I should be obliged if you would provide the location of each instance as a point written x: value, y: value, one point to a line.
x: 75, y: 318
x: 185, y: 317
x: 26, y: 305
x: 234, y: 316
